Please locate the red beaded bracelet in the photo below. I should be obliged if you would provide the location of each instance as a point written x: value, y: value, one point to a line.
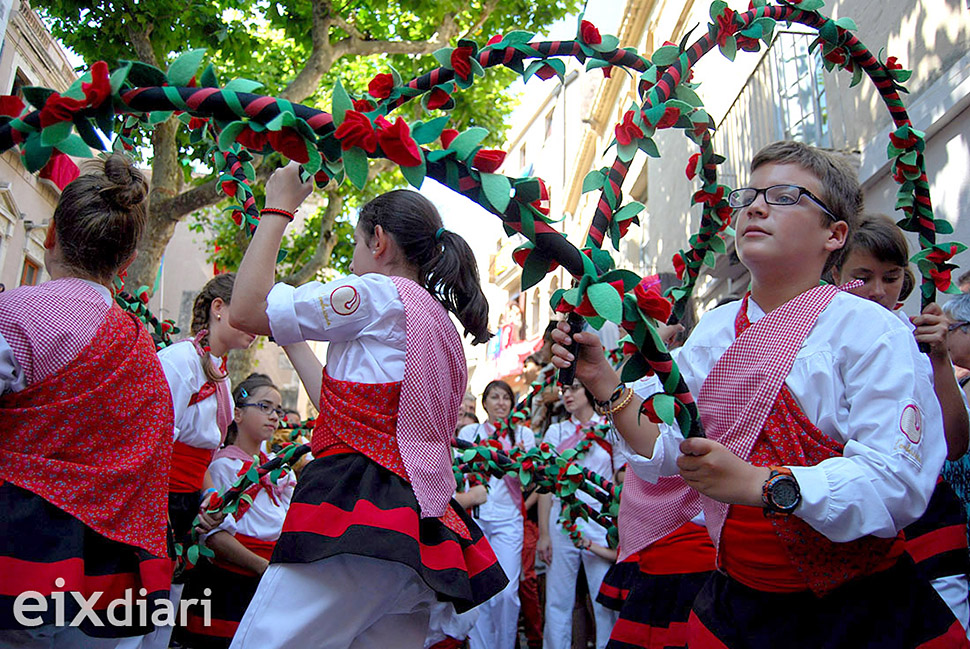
x: 275, y: 210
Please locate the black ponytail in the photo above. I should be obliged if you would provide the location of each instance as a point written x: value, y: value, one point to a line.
x: 444, y: 262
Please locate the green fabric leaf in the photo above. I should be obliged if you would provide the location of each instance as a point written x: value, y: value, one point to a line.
x: 717, y: 8
x: 593, y: 181
x: 142, y: 75
x: 829, y: 31
x: 341, y: 104
x: 355, y: 166
x: 498, y: 190
x: 665, y: 55
x: 648, y: 146
x: 55, y: 133
x: 465, y: 143
x: 684, y: 93
x: 943, y: 226
x: 847, y: 23
x: 664, y: 406
x: 625, y: 152
x: 88, y: 134
x: 34, y: 154
x: 608, y: 44
x: 192, y: 555
x: 518, y: 36
x: 243, y: 85
x: 180, y: 73
x: 118, y: 77
x: 634, y: 368
x: 425, y: 132
x: 443, y: 56
x: 629, y: 210
x: 229, y: 134
x: 209, y: 78
x: 730, y: 48
x: 606, y: 301
x: 533, y: 270
x: 415, y: 175
x: 73, y: 145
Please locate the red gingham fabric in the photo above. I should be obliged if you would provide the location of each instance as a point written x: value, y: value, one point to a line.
x: 94, y: 439
x: 435, y: 376
x: 734, y: 403
x: 48, y: 325
x: 741, y: 389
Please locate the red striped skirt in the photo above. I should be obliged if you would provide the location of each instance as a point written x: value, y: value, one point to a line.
x: 345, y: 503
x: 40, y: 545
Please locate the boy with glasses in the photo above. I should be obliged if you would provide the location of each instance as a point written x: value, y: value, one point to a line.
x: 824, y: 437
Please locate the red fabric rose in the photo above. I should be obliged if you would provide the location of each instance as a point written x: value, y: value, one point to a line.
x: 438, y: 98
x: 938, y: 256
x: 460, y: 62
x: 726, y: 26
x: 494, y: 40
x: 627, y: 131
x: 748, y: 44
x: 356, y: 130
x: 488, y: 160
x: 652, y: 414
x: 679, y: 265
x: 546, y: 72
x: 708, y: 198
x: 893, y: 63
x: 941, y: 278
x: 903, y: 143
x: 670, y: 117
x: 364, y: 105
x: 290, y: 143
x: 447, y: 136
x: 607, y: 72
x: 589, y: 33
x: 197, y: 122
x: 519, y: 256
x: 836, y: 56
x: 651, y: 302
x: 251, y: 139
x: 629, y: 349
x: 397, y: 144
x: 692, y: 165
x: 229, y: 187
x: 541, y: 204
x: 380, y: 86
x: 99, y: 88
x: 11, y: 105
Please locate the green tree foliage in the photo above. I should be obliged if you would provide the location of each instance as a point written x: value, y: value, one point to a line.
x: 296, y: 49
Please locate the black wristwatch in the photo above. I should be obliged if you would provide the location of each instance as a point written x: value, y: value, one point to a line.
x: 780, y: 493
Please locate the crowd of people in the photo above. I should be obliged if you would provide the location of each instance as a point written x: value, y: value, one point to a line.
x: 816, y: 510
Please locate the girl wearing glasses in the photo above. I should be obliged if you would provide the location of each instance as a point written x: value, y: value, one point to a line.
x: 87, y: 424
x: 196, y: 372
x: 372, y: 538
x: 244, y: 541
x: 878, y: 255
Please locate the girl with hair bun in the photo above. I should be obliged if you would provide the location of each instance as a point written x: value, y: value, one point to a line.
x: 374, y: 507
x: 243, y: 542
x: 196, y: 372
x: 88, y: 420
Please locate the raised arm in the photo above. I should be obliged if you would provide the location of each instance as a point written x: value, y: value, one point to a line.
x: 257, y: 272
x: 308, y: 367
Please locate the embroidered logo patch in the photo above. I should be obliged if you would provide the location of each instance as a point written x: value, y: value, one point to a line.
x: 911, y: 423
x: 344, y: 300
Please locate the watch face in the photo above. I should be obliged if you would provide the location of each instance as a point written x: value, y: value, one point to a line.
x: 784, y: 494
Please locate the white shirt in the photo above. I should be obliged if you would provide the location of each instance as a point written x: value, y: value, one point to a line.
x: 855, y: 374
x: 263, y: 520
x: 500, y: 505
x: 195, y: 425
x: 361, y: 316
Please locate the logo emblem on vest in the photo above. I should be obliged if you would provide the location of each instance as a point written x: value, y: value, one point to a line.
x: 344, y: 300
x: 911, y: 423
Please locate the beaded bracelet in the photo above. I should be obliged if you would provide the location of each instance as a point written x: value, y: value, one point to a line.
x: 276, y: 210
x: 613, y: 406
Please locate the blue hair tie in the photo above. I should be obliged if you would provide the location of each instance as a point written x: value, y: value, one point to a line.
x: 437, y: 235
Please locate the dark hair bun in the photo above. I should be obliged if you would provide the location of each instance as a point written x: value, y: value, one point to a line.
x: 126, y: 186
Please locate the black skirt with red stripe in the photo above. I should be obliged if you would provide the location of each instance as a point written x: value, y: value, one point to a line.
x: 655, y: 613
x: 617, y: 582
x: 227, y: 594
x: 892, y: 609
x: 348, y: 504
x: 40, y: 544
x: 937, y: 542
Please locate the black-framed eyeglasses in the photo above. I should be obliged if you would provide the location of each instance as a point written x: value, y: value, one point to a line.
x: 776, y: 195
x: 958, y: 325
x: 264, y: 408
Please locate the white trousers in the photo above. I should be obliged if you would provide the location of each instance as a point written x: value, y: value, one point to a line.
x: 953, y: 591
x: 342, y: 602
x: 161, y: 637
x: 498, y: 618
x: 561, y: 578
x: 446, y: 622
x: 49, y: 636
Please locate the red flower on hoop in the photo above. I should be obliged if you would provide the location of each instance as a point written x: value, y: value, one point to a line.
x: 447, y: 136
x: 892, y: 63
x: 708, y: 198
x: 380, y: 86
x: 941, y: 278
x: 679, y: 265
x: 651, y: 302
x: 438, y: 98
x: 692, y: 166
x: 541, y: 204
x: 356, y: 130
x: 460, y: 62
x: 397, y: 144
x: 488, y: 160
x: 589, y: 33
x: 938, y: 256
x: 494, y: 40
x: 726, y: 26
x: 290, y: 143
x: 11, y: 105
x: 748, y: 44
x: 364, y: 105
x: 903, y: 143
x: 197, y: 122
x: 670, y: 117
x: 255, y: 140
x: 608, y: 72
x: 627, y: 131
x: 62, y: 109
x: 546, y: 72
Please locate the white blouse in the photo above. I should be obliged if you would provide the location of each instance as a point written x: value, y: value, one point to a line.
x: 195, y: 425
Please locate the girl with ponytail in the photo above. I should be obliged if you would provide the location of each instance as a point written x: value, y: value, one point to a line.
x: 87, y: 427
x: 195, y: 369
x: 374, y: 507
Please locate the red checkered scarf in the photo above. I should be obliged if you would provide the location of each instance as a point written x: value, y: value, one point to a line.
x: 435, y: 376
x: 734, y: 403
